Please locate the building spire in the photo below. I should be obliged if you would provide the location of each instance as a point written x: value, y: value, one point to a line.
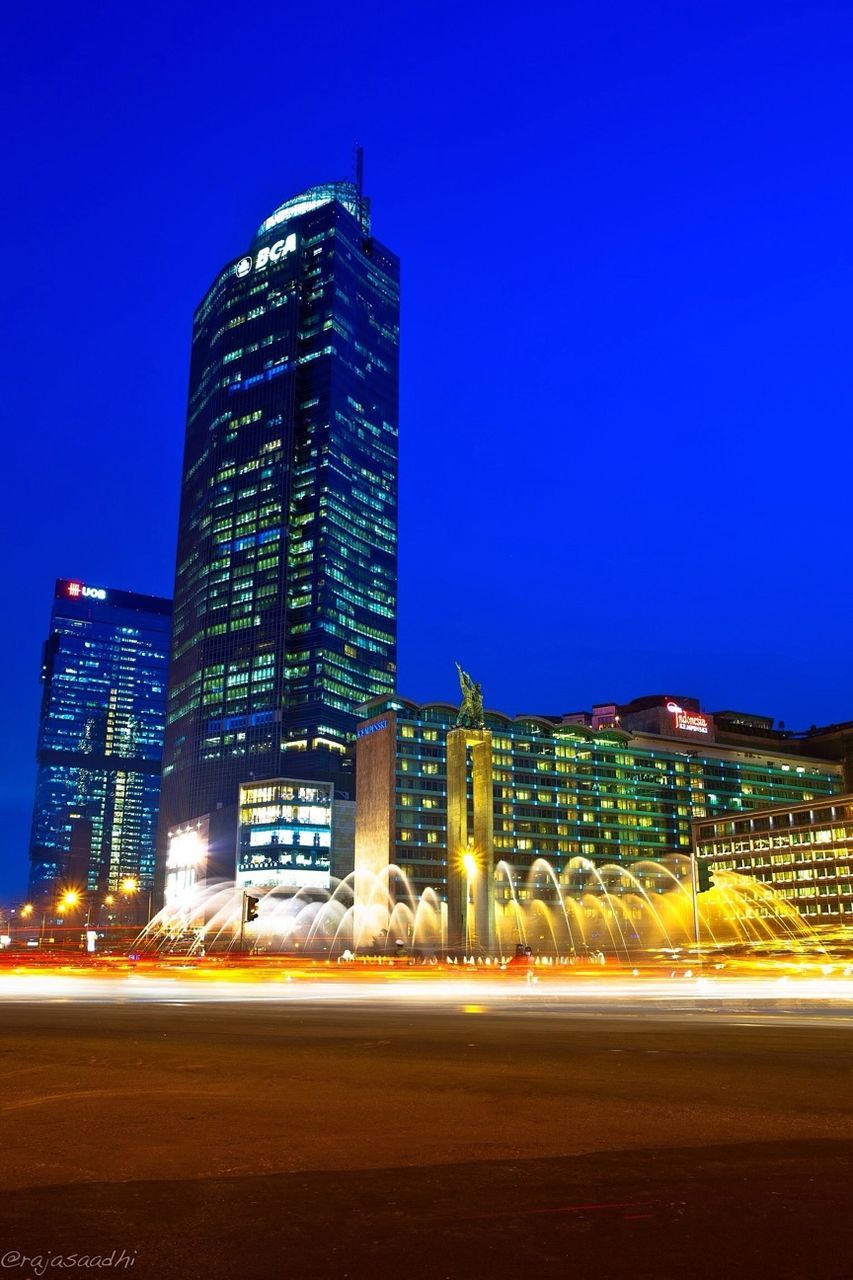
x: 359, y: 181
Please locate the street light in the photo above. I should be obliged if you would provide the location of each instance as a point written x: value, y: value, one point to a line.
x: 471, y: 867
x: 694, y: 885
x: 69, y: 901
x: 26, y: 910
x: 131, y: 886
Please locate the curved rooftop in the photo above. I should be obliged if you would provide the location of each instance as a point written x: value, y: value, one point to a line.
x: 346, y: 193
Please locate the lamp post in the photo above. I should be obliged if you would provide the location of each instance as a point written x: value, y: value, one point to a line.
x: 25, y: 912
x: 469, y: 864
x: 130, y: 887
x: 70, y: 900
x: 694, y: 879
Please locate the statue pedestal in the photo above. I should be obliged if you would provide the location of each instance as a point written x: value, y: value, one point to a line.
x: 470, y: 848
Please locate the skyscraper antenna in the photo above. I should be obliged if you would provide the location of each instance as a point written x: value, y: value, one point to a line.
x: 359, y: 181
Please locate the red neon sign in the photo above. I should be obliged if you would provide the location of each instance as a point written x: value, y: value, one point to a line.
x: 688, y: 721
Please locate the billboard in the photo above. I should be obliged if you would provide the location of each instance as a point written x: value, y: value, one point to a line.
x: 186, y: 862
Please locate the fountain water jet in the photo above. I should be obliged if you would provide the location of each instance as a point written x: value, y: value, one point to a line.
x: 616, y: 908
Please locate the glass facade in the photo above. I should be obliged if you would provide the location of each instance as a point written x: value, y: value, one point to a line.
x: 804, y: 852
x: 564, y: 791
x: 285, y: 589
x: 285, y: 834
x: 100, y: 739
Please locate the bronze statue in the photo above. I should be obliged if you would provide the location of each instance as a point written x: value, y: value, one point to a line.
x: 471, y: 712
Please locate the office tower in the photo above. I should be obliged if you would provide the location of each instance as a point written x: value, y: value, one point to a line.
x: 100, y: 740
x: 285, y: 586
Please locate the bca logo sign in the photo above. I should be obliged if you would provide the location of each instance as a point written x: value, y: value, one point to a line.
x: 270, y: 253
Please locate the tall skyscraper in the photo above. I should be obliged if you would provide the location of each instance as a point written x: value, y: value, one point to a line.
x: 100, y: 740
x: 286, y: 579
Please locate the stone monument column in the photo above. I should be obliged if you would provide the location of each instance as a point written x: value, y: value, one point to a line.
x: 470, y: 824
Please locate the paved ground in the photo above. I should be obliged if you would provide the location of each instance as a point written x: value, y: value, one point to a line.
x: 458, y: 1141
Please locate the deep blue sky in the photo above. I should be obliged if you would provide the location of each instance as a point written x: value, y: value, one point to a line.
x: 627, y: 283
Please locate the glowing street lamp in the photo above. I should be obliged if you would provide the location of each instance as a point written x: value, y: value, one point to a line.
x: 131, y: 886
x: 26, y: 910
x: 69, y: 900
x: 470, y: 866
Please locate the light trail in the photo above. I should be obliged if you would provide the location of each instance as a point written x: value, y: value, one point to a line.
x: 731, y: 996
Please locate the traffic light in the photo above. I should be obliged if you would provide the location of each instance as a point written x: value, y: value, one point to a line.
x: 703, y: 875
x: 251, y: 908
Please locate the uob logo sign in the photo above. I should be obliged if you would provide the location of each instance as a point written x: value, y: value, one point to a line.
x: 77, y: 591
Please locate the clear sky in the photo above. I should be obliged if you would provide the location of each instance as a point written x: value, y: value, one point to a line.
x: 627, y: 270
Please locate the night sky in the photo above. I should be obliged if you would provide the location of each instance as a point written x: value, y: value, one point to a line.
x: 627, y: 279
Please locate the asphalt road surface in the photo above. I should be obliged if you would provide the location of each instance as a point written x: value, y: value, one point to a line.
x: 385, y: 1140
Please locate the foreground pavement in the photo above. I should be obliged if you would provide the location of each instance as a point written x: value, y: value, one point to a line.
x: 518, y: 1136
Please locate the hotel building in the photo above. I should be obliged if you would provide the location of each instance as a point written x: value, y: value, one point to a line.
x: 614, y: 785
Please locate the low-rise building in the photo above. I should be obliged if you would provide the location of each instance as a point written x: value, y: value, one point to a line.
x: 803, y: 851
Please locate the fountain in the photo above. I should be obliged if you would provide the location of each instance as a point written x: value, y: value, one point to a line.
x: 582, y: 909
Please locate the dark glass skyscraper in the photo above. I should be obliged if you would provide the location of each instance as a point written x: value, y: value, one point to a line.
x: 100, y: 739
x: 286, y: 580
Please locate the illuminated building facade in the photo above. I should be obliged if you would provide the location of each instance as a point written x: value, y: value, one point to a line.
x: 100, y: 739
x: 802, y: 851
x: 562, y: 789
x: 285, y: 834
x: 286, y: 580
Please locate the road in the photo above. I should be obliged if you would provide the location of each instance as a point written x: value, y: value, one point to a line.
x: 349, y: 1138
